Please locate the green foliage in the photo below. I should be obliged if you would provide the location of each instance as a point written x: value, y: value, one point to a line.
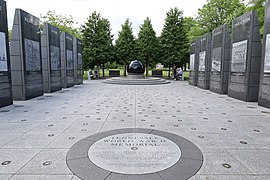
x: 111, y: 65
x: 97, y: 41
x: 191, y: 28
x: 214, y: 14
x: 125, y: 44
x: 9, y: 34
x: 258, y: 5
x: 159, y: 53
x: 147, y: 43
x: 64, y: 23
x: 173, y: 39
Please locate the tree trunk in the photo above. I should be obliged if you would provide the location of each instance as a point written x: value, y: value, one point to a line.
x: 98, y: 70
x: 147, y: 68
x: 103, y: 70
x: 169, y: 74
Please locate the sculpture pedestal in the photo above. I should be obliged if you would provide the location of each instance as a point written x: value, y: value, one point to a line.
x: 135, y: 76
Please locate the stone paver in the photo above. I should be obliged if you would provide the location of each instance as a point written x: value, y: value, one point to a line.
x: 35, y: 135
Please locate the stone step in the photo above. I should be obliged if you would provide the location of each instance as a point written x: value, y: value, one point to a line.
x: 132, y: 81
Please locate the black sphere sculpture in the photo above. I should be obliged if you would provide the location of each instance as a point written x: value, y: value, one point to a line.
x: 135, y: 68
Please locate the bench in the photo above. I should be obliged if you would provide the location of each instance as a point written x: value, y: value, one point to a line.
x: 114, y: 73
x: 157, y: 73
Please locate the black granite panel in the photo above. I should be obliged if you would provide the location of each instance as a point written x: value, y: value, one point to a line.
x: 55, y: 58
x: 31, y: 55
x: 194, y: 62
x: 220, y: 59
x: 79, y: 62
x: 241, y: 27
x: 246, y: 50
x: 204, y: 61
x: 264, y: 92
x: 5, y: 71
x: 69, y: 60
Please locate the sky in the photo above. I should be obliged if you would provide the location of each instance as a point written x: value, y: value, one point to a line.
x: 116, y: 11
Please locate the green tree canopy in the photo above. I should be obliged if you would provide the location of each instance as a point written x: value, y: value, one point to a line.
x: 190, y: 24
x: 214, y: 14
x: 173, y: 39
x: 64, y: 23
x: 147, y: 43
x: 97, y: 41
x: 125, y: 45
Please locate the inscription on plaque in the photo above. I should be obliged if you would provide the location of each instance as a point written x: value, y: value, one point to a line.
x: 239, y: 56
x: 4, y: 86
x: 55, y: 58
x: 202, y: 61
x: 216, y: 59
x: 267, y: 55
x: 32, y: 55
x: 3, y: 52
x: 69, y: 59
x: 79, y: 59
x: 134, y: 153
x: 192, y: 59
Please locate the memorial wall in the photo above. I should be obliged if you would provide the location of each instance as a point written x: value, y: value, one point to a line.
x: 264, y: 95
x: 78, y: 68
x: 25, y: 56
x: 51, y: 59
x: 5, y: 72
x: 204, y: 61
x: 245, y: 58
x: 220, y: 65
x: 194, y: 62
x: 67, y: 60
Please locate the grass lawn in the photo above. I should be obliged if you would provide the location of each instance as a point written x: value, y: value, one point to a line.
x: 164, y: 72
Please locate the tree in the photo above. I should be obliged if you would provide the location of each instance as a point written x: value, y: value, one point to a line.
x: 186, y: 41
x: 97, y: 41
x: 214, y: 14
x: 64, y: 23
x: 191, y: 24
x: 125, y: 45
x: 159, y: 58
x: 147, y: 43
x: 174, y: 41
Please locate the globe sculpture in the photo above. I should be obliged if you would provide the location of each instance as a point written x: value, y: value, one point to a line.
x: 136, y: 76
x: 135, y: 68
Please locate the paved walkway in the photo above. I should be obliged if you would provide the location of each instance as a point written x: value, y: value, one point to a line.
x: 36, y: 135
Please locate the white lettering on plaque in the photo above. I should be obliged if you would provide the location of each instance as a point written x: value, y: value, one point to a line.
x: 202, y: 61
x: 239, y: 56
x: 31, y: 19
x: 192, y: 59
x: 134, y: 153
x: 217, y: 32
x: 3, y: 52
x: 267, y: 55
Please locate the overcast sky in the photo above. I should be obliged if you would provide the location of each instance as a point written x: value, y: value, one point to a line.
x: 117, y: 11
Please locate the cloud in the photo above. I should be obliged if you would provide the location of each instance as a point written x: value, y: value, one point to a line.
x: 117, y: 11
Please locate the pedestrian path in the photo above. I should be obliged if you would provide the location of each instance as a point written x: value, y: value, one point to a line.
x: 36, y: 135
